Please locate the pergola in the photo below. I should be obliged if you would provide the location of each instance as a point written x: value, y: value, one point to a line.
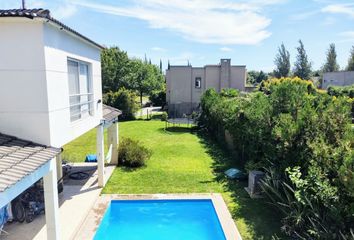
x: 23, y: 163
x: 110, y: 121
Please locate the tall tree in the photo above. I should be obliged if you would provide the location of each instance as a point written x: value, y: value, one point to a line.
x: 350, y: 66
x: 282, y: 62
x: 331, y: 64
x: 145, y: 78
x: 302, y: 67
x: 160, y: 66
x: 115, y: 69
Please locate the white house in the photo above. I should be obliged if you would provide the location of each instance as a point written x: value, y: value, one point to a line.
x: 50, y: 93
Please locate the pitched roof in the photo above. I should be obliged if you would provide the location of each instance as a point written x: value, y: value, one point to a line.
x: 45, y: 14
x: 110, y: 114
x: 19, y: 158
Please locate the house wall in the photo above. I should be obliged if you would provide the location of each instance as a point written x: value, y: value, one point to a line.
x: 238, y: 77
x: 184, y: 98
x: 23, y: 91
x: 344, y: 78
x: 59, y: 45
x: 34, y: 81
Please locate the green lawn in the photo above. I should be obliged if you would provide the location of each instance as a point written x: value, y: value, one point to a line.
x: 183, y: 162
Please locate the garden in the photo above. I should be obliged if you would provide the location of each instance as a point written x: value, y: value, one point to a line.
x: 303, y: 140
x: 182, y: 162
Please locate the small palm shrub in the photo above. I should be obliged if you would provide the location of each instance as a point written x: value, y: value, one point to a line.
x: 132, y: 153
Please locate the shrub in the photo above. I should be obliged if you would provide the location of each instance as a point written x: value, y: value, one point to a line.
x: 132, y: 153
x: 158, y: 98
x: 124, y: 100
x: 303, y: 139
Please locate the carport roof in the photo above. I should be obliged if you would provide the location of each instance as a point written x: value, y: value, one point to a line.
x: 19, y: 158
x: 110, y: 114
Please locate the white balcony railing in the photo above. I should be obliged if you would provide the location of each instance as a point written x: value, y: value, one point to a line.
x: 81, y: 106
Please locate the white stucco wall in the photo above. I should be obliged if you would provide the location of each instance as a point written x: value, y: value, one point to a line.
x: 34, y: 89
x: 59, y: 45
x: 23, y: 95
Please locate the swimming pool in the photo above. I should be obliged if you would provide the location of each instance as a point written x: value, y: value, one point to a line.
x: 160, y: 220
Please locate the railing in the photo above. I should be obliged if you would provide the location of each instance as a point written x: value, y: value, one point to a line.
x: 81, y: 105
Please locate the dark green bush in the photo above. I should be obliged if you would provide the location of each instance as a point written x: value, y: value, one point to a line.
x: 124, y: 100
x: 132, y: 153
x: 158, y: 98
x: 304, y: 140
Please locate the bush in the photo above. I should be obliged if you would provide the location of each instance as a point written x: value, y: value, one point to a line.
x: 124, y: 100
x: 158, y: 98
x: 132, y: 153
x: 302, y: 138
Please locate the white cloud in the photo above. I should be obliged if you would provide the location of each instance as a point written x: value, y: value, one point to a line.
x: 347, y: 36
x: 205, y: 21
x: 158, y: 49
x: 346, y: 9
x: 66, y: 10
x: 226, y: 49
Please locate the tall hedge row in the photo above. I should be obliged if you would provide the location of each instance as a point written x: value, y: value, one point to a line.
x: 302, y: 139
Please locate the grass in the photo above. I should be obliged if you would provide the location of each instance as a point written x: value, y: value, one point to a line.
x: 184, y: 162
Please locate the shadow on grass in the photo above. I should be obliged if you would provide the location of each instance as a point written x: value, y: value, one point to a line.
x: 131, y: 169
x: 176, y: 130
x: 262, y: 219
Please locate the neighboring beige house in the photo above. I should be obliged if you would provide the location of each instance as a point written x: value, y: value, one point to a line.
x: 342, y: 78
x: 186, y: 84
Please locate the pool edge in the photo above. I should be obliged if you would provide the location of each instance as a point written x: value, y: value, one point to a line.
x: 95, y: 215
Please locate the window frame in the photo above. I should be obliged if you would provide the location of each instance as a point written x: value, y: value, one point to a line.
x: 198, y: 80
x: 88, y: 104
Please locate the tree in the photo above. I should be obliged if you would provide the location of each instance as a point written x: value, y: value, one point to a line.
x: 302, y: 67
x: 115, y: 69
x: 145, y: 78
x: 331, y: 64
x: 255, y: 77
x: 282, y: 62
x: 123, y: 99
x: 350, y: 66
x: 160, y: 66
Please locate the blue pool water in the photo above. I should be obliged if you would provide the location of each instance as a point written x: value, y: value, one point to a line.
x: 160, y: 220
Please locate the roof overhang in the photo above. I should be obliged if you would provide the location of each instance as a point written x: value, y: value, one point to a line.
x: 44, y: 15
x: 13, y: 191
x: 22, y: 163
x: 110, y: 115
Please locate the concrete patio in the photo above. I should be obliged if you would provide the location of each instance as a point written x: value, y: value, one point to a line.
x: 75, y: 202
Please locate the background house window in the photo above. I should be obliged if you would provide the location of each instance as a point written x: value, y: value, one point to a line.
x: 80, y: 90
x: 198, y: 82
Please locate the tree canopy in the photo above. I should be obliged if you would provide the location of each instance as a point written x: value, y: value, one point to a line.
x: 302, y: 67
x: 331, y: 64
x: 282, y: 62
x: 119, y: 71
x: 350, y: 66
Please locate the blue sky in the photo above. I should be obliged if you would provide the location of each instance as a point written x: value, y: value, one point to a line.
x: 203, y: 31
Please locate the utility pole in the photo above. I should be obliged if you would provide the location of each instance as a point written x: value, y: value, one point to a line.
x: 23, y: 4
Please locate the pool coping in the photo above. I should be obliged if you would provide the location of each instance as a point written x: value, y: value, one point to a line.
x: 95, y: 215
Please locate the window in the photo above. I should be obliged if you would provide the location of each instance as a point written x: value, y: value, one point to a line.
x: 80, y: 90
x: 198, y: 82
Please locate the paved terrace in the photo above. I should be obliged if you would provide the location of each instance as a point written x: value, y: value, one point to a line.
x: 75, y: 202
